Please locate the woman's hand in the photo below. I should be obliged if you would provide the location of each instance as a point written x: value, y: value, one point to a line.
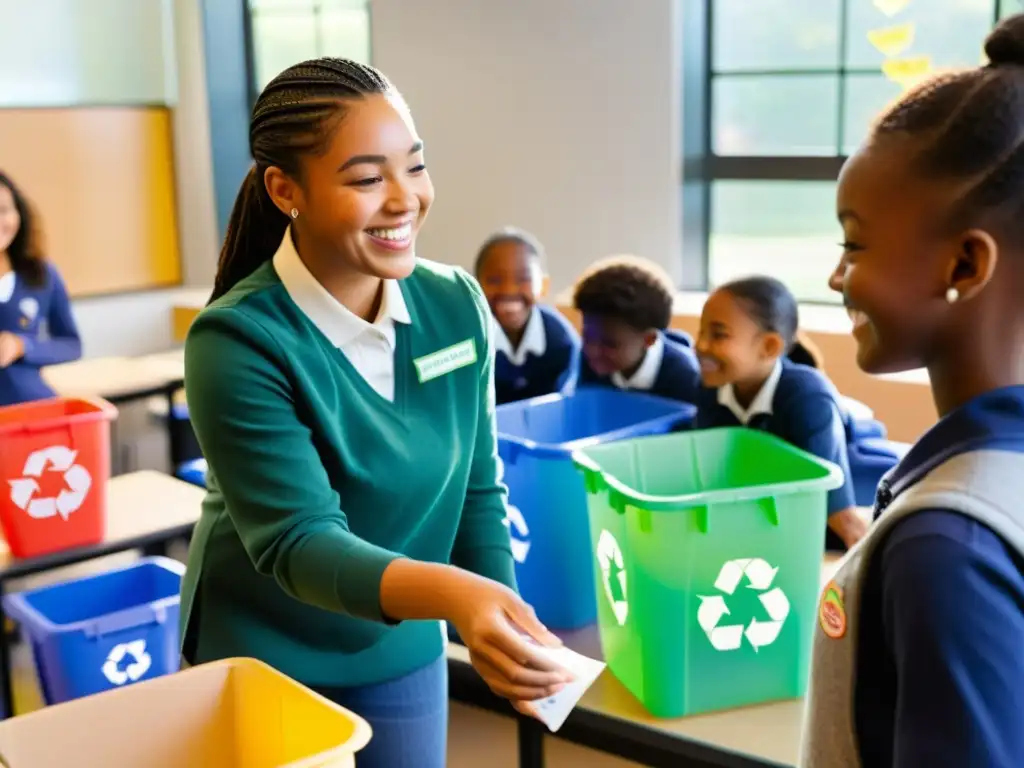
x: 11, y: 348
x: 491, y: 619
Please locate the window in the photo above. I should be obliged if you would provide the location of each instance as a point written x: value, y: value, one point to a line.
x: 787, y: 92
x: 285, y: 32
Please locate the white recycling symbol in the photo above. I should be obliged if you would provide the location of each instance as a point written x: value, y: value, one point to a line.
x: 58, y: 458
x: 760, y: 576
x: 514, y: 520
x: 613, y: 570
x: 140, y: 664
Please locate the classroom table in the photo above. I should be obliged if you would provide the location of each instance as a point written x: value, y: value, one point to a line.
x: 145, y: 510
x: 610, y: 719
x: 123, y: 380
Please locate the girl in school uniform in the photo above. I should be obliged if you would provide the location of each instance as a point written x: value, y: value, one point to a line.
x: 918, y: 656
x: 535, y: 346
x: 36, y: 324
x: 747, y: 328
x: 342, y: 393
x: 626, y: 307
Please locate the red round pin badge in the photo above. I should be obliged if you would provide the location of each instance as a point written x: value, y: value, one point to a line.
x: 832, y: 612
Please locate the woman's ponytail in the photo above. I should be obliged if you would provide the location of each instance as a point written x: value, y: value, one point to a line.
x: 254, y: 234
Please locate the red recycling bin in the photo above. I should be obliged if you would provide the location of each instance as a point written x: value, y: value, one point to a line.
x: 54, y: 468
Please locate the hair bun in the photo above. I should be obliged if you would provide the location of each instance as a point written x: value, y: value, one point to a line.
x: 1005, y: 45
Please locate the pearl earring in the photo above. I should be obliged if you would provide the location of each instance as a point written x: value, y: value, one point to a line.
x: 295, y: 213
x: 952, y: 295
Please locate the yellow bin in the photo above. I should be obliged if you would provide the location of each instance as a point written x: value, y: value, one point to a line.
x: 236, y: 713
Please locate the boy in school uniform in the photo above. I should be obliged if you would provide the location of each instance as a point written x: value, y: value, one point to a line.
x: 747, y: 328
x: 535, y: 346
x: 626, y: 304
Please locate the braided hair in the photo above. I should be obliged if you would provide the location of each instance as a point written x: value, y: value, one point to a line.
x: 971, y: 125
x: 294, y: 116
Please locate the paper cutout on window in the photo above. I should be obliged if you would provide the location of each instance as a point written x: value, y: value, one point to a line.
x: 891, y: 7
x: 892, y: 41
x: 908, y: 72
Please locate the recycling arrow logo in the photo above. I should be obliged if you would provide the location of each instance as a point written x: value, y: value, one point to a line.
x: 514, y: 520
x: 613, y: 571
x: 56, y: 458
x: 520, y: 546
x: 138, y: 662
x: 729, y: 637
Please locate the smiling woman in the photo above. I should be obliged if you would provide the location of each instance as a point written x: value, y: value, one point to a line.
x: 328, y: 359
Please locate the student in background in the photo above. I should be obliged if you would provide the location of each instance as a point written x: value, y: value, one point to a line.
x: 342, y: 391
x: 535, y: 346
x: 36, y: 324
x: 626, y: 304
x: 747, y: 328
x: 918, y: 653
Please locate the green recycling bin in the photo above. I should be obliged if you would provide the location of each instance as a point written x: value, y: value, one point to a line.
x: 708, y: 549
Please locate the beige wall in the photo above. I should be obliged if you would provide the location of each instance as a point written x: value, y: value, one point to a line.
x: 560, y: 116
x: 138, y: 323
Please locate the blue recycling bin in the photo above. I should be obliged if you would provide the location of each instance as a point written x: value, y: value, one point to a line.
x: 102, y: 631
x: 547, y: 512
x: 193, y: 472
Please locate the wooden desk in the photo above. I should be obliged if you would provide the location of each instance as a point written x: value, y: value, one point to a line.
x: 118, y: 379
x: 185, y: 311
x: 145, y: 510
x: 122, y: 380
x: 610, y: 719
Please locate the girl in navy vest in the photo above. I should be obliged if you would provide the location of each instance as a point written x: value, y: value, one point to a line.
x: 626, y: 305
x: 535, y: 346
x: 918, y: 656
x: 747, y: 328
x: 36, y: 325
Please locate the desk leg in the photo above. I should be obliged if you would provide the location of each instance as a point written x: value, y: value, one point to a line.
x: 7, y: 684
x: 158, y: 549
x: 173, y: 443
x: 531, y: 743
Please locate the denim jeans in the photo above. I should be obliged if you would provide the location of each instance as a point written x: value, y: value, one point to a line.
x: 409, y: 718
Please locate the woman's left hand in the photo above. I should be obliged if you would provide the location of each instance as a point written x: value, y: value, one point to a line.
x: 11, y: 348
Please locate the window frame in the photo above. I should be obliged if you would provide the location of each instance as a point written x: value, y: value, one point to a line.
x: 315, y: 10
x: 702, y: 167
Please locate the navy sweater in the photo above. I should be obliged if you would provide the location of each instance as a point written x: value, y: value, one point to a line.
x: 804, y: 413
x: 678, y: 377
x: 539, y: 374
x: 29, y: 311
x: 941, y: 670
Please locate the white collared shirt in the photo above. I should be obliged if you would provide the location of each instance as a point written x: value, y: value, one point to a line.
x: 762, y: 402
x: 534, y: 341
x: 370, y: 347
x: 644, y: 376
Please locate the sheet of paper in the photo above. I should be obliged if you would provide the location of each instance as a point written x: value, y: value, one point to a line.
x: 553, y: 710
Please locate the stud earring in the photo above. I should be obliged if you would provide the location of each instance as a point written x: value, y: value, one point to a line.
x: 952, y: 295
x: 295, y: 213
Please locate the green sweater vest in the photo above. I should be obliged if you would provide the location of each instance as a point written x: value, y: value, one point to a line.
x: 316, y: 482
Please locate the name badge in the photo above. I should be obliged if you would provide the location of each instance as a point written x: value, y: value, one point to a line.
x: 445, y: 361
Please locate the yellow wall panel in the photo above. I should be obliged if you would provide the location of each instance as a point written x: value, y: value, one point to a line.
x: 102, y: 181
